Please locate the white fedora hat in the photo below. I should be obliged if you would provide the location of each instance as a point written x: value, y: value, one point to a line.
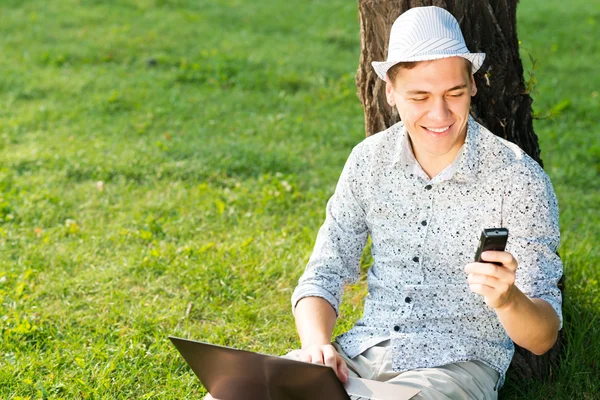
x: 426, y: 33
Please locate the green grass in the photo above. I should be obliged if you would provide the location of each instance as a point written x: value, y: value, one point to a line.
x: 218, y: 130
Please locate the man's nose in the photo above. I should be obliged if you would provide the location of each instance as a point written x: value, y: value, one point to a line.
x: 439, y: 110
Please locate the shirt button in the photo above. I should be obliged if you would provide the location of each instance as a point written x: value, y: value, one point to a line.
x: 397, y: 328
x: 423, y: 223
x: 416, y: 259
x: 407, y: 299
x: 428, y: 187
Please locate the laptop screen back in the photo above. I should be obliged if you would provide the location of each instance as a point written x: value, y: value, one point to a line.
x: 237, y: 374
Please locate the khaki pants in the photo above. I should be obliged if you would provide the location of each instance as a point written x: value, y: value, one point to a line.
x: 462, y: 380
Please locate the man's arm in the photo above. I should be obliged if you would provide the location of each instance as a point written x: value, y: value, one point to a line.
x: 315, y: 319
x: 334, y: 262
x: 531, y: 323
x: 523, y: 288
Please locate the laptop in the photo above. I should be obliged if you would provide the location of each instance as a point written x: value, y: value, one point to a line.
x: 231, y: 374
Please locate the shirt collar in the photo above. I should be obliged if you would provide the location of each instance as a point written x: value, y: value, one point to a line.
x: 463, y: 168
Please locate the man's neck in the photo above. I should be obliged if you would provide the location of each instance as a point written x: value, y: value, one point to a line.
x: 432, y: 165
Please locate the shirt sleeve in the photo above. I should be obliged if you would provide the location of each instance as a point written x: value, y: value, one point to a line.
x: 530, y: 212
x: 335, y: 260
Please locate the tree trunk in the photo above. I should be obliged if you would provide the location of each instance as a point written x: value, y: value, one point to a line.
x: 502, y: 103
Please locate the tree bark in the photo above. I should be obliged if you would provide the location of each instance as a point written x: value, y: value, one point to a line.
x: 502, y: 103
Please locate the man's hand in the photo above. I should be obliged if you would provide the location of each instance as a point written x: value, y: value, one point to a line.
x: 315, y: 319
x: 496, y: 283
x: 325, y: 355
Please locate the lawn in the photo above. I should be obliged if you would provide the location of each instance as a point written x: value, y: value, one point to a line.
x: 165, y: 166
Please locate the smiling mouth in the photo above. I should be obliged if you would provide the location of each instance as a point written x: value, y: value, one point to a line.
x: 438, y: 130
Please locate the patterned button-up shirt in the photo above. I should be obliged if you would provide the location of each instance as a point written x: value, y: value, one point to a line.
x: 424, y: 231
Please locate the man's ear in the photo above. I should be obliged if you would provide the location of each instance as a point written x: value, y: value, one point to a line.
x: 389, y: 88
x: 473, y: 86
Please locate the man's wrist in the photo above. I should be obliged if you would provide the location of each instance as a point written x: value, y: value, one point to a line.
x: 320, y: 342
x: 511, y: 304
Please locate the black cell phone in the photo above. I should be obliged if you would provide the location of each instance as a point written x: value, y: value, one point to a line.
x: 493, y: 239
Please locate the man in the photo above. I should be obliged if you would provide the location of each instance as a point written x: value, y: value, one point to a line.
x: 423, y: 190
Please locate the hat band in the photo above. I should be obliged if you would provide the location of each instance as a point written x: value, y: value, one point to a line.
x: 446, y: 46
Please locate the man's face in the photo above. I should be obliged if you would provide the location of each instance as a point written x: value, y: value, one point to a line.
x: 433, y: 101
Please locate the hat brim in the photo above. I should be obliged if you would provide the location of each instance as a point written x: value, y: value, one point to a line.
x: 476, y: 59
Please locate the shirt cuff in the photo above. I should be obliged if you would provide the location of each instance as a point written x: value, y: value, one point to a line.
x: 312, y: 290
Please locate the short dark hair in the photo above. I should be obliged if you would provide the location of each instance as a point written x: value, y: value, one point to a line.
x: 392, y: 73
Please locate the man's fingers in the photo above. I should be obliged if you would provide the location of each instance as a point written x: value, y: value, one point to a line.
x: 494, y: 282
x: 326, y: 355
x: 329, y: 357
x: 491, y: 270
x: 483, y: 290
x: 332, y: 359
x: 505, y: 258
x: 312, y: 354
x: 316, y: 356
x: 486, y: 280
x: 304, y: 356
x: 484, y: 269
x: 342, y: 369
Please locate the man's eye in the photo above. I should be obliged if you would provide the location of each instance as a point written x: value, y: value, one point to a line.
x: 419, y: 99
x: 457, y: 94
